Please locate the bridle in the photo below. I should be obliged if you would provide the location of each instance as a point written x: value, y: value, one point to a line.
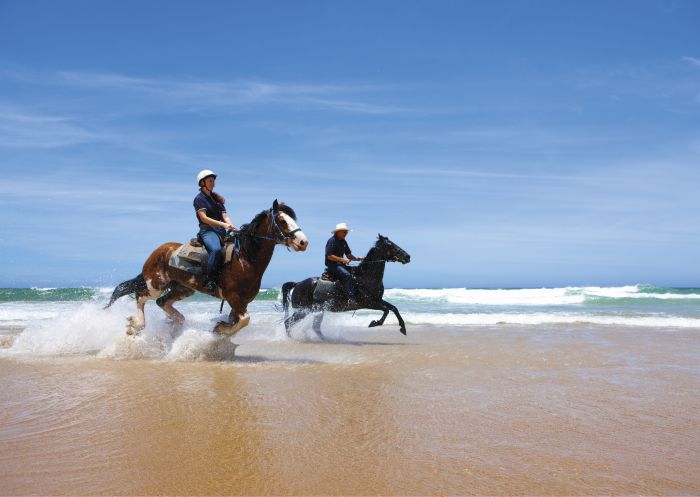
x: 281, y: 237
x: 394, y: 257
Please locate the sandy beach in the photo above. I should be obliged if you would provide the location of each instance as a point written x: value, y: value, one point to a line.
x: 447, y: 410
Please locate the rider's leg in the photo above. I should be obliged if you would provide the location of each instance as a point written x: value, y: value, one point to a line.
x: 212, y: 242
x: 345, y: 278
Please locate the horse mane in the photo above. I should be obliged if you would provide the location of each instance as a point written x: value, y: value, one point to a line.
x: 250, y: 244
x: 373, y: 250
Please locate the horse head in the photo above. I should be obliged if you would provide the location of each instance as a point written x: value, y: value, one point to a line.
x: 288, y: 232
x: 391, y: 252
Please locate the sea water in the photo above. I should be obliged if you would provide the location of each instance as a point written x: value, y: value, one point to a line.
x: 66, y: 321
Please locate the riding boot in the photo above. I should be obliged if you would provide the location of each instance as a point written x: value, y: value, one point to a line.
x: 210, y: 285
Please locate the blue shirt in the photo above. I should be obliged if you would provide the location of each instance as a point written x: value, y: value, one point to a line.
x: 213, y: 209
x: 336, y: 246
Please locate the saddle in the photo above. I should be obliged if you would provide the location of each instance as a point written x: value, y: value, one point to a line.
x: 192, y: 256
x: 326, y: 276
x: 329, y: 286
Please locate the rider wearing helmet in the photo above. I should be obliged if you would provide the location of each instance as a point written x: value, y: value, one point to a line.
x: 213, y: 223
x: 338, y: 254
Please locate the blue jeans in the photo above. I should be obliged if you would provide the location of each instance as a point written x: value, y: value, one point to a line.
x: 211, y: 240
x: 341, y: 272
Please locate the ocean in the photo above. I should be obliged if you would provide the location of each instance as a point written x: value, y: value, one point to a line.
x: 72, y: 321
x: 547, y: 391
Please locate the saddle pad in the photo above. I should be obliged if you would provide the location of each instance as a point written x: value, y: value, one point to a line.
x: 324, y: 290
x: 187, y: 258
x: 190, y: 252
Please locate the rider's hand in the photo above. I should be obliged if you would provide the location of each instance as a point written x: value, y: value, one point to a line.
x: 345, y: 261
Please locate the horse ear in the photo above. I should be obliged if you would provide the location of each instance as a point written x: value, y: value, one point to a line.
x: 381, y: 237
x: 275, y: 205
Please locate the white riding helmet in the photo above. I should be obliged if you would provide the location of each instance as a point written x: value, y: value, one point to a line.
x: 205, y: 173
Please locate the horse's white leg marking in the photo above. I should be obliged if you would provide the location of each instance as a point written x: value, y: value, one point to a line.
x: 227, y: 329
x: 137, y: 322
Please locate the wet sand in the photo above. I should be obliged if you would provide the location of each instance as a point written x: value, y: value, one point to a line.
x: 503, y: 410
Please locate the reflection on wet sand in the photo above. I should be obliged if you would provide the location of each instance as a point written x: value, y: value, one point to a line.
x: 500, y: 411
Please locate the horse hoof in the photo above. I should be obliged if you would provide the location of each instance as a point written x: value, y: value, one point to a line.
x: 134, y: 328
x: 373, y: 324
x: 403, y: 330
x: 223, y: 328
x: 132, y: 332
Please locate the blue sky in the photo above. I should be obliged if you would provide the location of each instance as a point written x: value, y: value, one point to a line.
x: 502, y: 144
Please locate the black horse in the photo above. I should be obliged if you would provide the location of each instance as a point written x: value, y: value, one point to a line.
x: 316, y: 295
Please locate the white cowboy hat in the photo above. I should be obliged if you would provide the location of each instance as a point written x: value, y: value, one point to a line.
x: 340, y: 227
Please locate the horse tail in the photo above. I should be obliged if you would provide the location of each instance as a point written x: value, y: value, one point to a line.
x: 127, y: 287
x: 286, y: 293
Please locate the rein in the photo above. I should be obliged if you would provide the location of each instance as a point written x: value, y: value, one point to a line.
x: 283, y: 239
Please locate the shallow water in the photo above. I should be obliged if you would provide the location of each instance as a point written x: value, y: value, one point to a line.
x: 559, y: 409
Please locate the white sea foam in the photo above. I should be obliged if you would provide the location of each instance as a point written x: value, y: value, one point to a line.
x: 542, y: 318
x: 530, y: 296
x: 198, y: 345
x: 540, y: 296
x: 83, y: 327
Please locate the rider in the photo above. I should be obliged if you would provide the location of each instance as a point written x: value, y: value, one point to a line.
x: 338, y: 254
x: 213, y: 223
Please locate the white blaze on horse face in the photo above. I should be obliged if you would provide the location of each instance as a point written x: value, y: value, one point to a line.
x: 299, y: 242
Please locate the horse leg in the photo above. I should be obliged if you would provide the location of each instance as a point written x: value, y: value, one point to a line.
x: 393, y: 309
x: 155, y: 280
x: 137, y: 322
x: 174, y: 293
x: 293, y: 319
x: 317, y: 324
x: 385, y: 306
x: 237, y: 320
x: 380, y: 321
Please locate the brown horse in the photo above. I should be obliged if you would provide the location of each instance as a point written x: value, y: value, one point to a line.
x: 240, y: 278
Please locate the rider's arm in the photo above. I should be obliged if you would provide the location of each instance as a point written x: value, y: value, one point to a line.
x: 348, y: 252
x: 202, y: 215
x: 335, y: 258
x: 228, y: 220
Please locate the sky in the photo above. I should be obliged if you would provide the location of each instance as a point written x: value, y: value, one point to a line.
x: 502, y: 144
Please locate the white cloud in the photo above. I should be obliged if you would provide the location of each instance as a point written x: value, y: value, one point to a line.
x: 24, y: 129
x: 235, y: 93
x: 692, y: 60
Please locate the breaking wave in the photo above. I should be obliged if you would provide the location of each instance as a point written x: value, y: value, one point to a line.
x: 40, y: 322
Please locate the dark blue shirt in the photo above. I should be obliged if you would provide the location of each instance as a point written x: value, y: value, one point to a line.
x: 336, y: 246
x: 213, y: 209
